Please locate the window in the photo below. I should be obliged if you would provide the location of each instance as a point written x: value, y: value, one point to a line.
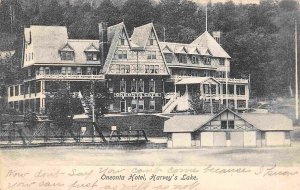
x: 141, y: 85
x: 121, y: 55
x: 124, y: 69
x: 67, y: 55
x: 224, y: 88
x: 151, y: 85
x: 207, y: 61
x: 29, y: 72
x: 69, y: 70
x: 168, y: 57
x: 41, y: 71
x: 63, y: 70
x: 91, y: 56
x: 122, y: 86
x: 223, y: 124
x: 222, y: 61
x: 11, y: 91
x: 195, y: 60
x: 26, y: 56
x: 152, y: 105
x: 47, y: 70
x: 241, y: 103
x: 122, y: 41
x: 151, y: 55
x: 152, y: 68
x: 213, y: 89
x: 22, y: 89
x: 240, y: 89
x: 78, y: 71
x: 141, y: 104
x: 122, y: 38
x: 156, y: 69
x: 133, y: 86
x: 133, y: 103
x: 231, y: 89
x: 206, y: 88
x: 118, y: 68
x: 230, y: 124
x: 151, y: 39
x: 110, y: 86
x: 17, y: 90
x: 88, y: 70
x: 182, y: 58
x: 127, y: 68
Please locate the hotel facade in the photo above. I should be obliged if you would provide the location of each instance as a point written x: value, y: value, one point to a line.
x: 140, y: 73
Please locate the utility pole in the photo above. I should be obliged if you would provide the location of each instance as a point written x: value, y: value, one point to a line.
x: 164, y: 34
x: 296, y: 72
x: 137, y: 81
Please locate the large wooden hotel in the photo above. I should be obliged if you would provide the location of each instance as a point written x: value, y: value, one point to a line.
x: 140, y: 73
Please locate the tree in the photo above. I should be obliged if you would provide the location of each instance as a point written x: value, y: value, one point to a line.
x: 61, y: 106
x: 108, y: 12
x: 136, y: 13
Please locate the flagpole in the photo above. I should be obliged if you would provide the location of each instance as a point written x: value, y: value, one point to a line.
x: 206, y: 17
x: 296, y: 72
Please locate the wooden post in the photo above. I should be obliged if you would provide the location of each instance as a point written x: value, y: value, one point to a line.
x: 296, y: 72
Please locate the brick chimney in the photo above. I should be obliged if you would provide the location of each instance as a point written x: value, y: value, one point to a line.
x: 217, y: 36
x: 103, y: 42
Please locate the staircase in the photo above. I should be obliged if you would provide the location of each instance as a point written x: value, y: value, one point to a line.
x: 87, y: 102
x: 170, y: 106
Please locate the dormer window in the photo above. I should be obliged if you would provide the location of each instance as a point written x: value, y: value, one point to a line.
x: 67, y: 55
x: 151, y: 39
x: 182, y: 58
x: 207, y: 61
x: 123, y: 38
x: 92, y: 56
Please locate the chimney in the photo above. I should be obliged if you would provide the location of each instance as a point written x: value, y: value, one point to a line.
x: 103, y: 42
x: 217, y: 36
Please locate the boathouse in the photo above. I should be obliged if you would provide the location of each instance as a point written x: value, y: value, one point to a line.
x: 228, y: 129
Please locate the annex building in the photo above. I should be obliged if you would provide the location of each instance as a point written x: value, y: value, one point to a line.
x: 140, y: 73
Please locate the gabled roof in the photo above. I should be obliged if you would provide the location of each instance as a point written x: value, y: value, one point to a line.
x: 66, y: 47
x: 185, y: 123
x: 269, y: 121
x: 80, y: 47
x: 181, y: 49
x: 92, y: 48
x: 207, y: 41
x: 46, y: 41
x: 196, y: 80
x: 190, y: 48
x: 263, y: 122
x: 113, y: 34
x: 141, y: 35
x: 166, y: 49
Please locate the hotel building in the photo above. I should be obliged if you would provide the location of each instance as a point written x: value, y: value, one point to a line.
x: 140, y: 73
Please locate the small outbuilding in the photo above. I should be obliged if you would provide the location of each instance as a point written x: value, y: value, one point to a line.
x: 228, y: 129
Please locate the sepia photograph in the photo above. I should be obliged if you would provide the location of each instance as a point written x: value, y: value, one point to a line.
x: 149, y: 94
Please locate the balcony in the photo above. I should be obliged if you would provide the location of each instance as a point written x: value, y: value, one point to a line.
x: 67, y: 77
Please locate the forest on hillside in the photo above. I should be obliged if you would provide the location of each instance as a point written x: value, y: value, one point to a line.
x: 258, y: 37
